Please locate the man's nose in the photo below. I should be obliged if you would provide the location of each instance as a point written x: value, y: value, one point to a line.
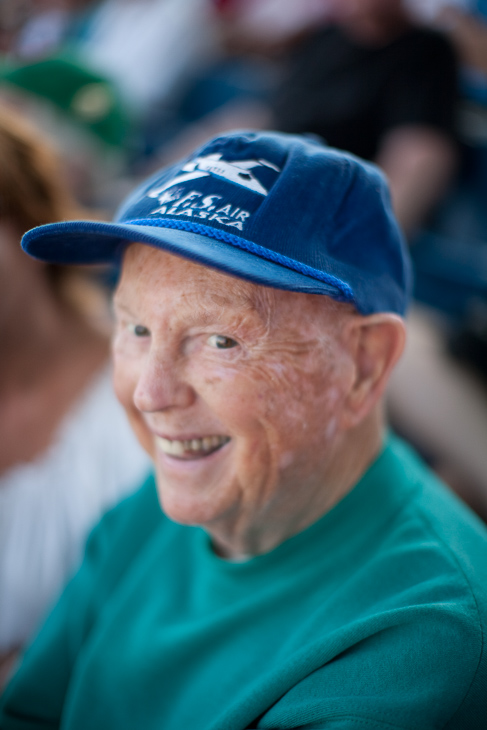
x: 161, y: 385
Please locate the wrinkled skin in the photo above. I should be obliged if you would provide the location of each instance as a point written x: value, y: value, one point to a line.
x: 275, y: 384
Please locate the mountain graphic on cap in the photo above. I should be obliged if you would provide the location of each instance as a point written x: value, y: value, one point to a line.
x: 235, y: 172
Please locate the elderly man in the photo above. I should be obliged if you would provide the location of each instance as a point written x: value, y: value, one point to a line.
x: 306, y: 570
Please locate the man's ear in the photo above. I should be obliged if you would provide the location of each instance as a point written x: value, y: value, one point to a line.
x: 376, y: 343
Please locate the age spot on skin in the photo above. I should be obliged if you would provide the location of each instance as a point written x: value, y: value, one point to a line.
x: 286, y: 459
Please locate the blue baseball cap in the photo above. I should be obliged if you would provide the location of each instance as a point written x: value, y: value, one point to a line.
x: 280, y: 210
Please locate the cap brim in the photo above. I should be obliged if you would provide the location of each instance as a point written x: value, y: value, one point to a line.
x: 95, y: 242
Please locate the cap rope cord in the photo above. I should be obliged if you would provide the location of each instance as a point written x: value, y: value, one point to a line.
x: 346, y: 291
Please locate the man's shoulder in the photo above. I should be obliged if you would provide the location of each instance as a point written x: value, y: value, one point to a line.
x: 428, y: 44
x: 427, y: 547
x: 440, y: 512
x: 438, y: 548
x: 410, y: 606
x: 435, y: 515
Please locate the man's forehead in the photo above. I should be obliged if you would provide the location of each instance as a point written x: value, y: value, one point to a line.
x: 147, y: 269
x: 145, y: 266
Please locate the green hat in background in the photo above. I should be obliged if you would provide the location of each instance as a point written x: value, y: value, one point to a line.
x: 89, y: 99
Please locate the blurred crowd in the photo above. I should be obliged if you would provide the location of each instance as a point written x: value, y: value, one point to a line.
x: 118, y: 87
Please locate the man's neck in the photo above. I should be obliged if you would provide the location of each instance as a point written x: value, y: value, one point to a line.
x: 353, y: 454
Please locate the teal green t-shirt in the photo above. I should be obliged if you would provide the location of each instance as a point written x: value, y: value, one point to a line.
x: 374, y: 617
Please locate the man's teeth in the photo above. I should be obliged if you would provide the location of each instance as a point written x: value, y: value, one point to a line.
x: 181, y: 448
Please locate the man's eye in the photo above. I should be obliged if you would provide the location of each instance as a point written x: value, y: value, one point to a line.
x: 221, y: 342
x: 139, y: 330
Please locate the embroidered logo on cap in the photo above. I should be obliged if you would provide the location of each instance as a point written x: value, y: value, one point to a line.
x: 215, y: 203
x: 237, y: 172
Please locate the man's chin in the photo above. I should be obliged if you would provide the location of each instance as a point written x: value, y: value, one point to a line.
x: 200, y: 502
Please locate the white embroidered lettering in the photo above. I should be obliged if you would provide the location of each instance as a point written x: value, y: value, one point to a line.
x: 187, y: 200
x: 161, y: 210
x: 226, y: 209
x: 194, y: 205
x: 208, y: 202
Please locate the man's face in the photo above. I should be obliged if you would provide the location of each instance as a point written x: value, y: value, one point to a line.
x: 235, y: 390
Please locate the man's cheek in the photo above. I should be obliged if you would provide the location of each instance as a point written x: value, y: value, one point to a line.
x: 139, y: 427
x: 120, y: 385
x: 243, y: 413
x: 124, y: 382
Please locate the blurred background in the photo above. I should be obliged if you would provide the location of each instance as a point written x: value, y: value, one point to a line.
x: 97, y: 94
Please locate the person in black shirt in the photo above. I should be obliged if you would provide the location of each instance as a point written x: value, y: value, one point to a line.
x: 375, y: 84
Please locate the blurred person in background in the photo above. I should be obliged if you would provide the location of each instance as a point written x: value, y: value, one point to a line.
x: 83, y: 116
x: 465, y: 21
x: 13, y: 15
x: 150, y: 50
x: 374, y: 83
x: 147, y: 50
x: 32, y: 29
x: 438, y: 398
x: 48, y: 26
x: 470, y: 35
x: 269, y: 24
x: 66, y: 451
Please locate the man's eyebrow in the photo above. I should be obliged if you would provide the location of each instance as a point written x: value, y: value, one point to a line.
x: 236, y: 299
x: 243, y: 297
x: 120, y: 306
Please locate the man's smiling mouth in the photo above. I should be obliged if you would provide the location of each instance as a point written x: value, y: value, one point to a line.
x: 191, y: 448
